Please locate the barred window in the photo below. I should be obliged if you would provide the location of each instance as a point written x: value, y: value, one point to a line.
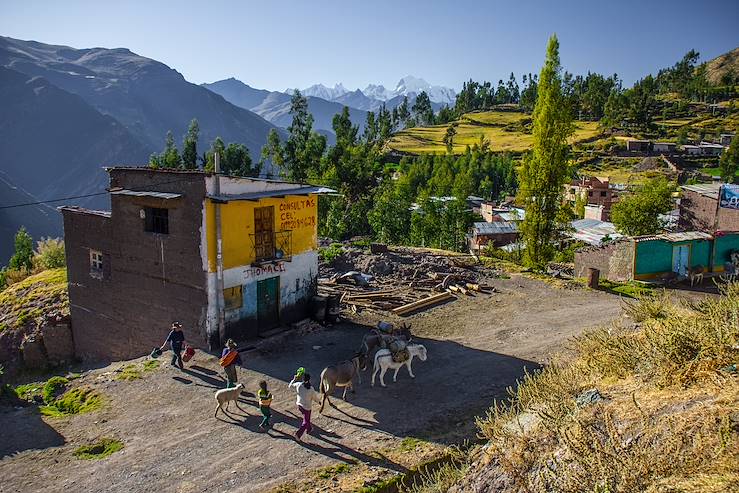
x: 96, y: 264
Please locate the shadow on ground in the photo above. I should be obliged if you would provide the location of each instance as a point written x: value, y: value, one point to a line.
x: 455, y: 383
x: 29, y: 431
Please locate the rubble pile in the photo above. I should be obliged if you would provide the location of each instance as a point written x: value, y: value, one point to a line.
x: 401, y: 280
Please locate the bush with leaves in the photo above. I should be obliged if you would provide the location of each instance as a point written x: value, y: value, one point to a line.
x: 638, y: 214
x: 49, y: 254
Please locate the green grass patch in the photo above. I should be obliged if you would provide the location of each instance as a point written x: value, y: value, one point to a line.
x: 714, y: 171
x: 27, y: 391
x: 53, y: 388
x: 98, y: 450
x: 409, y: 444
x: 76, y: 401
x: 330, y: 472
x: 628, y: 289
x: 330, y: 253
x: 151, y: 364
x: 129, y: 372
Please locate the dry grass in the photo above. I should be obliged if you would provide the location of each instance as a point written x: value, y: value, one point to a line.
x: 668, y: 421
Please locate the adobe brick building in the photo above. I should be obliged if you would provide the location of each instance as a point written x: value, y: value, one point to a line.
x: 700, y: 211
x: 155, y: 258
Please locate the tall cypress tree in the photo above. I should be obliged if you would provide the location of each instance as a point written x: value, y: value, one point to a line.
x: 544, y: 169
x: 190, y: 146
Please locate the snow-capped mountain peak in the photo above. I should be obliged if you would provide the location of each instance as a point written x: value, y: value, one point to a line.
x: 414, y: 85
x: 323, y: 92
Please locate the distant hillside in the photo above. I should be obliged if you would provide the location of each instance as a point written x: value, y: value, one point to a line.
x: 144, y: 95
x: 39, y: 220
x: 275, y: 106
x: 728, y: 63
x: 506, y: 131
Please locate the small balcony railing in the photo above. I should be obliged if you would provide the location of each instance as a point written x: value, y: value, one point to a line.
x: 272, y: 246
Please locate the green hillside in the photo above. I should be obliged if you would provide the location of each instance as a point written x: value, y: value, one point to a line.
x: 506, y: 131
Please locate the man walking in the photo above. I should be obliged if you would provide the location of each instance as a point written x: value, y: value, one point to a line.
x: 176, y: 339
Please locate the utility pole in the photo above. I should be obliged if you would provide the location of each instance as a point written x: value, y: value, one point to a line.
x: 219, y: 254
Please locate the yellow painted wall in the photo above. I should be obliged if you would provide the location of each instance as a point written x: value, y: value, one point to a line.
x: 298, y: 214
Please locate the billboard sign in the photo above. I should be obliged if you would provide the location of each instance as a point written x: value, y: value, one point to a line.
x: 729, y: 197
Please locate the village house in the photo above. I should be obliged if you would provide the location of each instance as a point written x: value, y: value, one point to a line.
x: 692, y: 150
x: 496, y: 233
x: 700, y: 209
x: 711, y: 149
x: 228, y: 257
x: 593, y: 231
x: 636, y: 145
x: 656, y: 257
x: 597, y: 193
x: 725, y: 139
x: 664, y: 147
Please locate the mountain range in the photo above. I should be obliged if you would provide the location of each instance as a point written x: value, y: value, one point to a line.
x: 325, y: 102
x: 67, y: 113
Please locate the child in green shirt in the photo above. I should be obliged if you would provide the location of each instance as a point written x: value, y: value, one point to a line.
x: 265, y: 401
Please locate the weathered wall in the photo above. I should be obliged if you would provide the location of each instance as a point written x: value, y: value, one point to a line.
x: 297, y: 286
x: 614, y: 260
x: 698, y: 213
x: 153, y: 278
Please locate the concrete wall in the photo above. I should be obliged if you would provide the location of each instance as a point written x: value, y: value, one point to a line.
x: 723, y: 247
x: 654, y: 257
x: 298, y: 279
x: 614, y: 260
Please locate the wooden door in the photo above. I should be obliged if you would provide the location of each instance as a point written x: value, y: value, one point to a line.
x: 264, y: 228
x: 268, y: 303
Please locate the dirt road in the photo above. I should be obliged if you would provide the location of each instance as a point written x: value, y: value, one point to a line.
x: 476, y: 348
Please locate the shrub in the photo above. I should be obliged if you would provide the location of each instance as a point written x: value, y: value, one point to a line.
x: 54, y: 387
x: 98, y: 450
x: 330, y: 253
x: 50, y: 253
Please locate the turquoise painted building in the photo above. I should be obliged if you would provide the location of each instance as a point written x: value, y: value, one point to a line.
x: 655, y: 256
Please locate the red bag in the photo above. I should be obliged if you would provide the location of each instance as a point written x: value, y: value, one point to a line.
x: 189, y: 353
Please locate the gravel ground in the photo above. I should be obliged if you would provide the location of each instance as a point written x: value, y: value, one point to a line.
x: 477, y: 346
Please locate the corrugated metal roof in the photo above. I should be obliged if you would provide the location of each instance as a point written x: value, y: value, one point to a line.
x: 494, y: 228
x: 706, y: 189
x: 273, y: 193
x: 676, y: 237
x: 143, y: 193
x: 592, y: 231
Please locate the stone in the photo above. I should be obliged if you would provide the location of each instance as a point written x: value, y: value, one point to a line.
x: 34, y: 353
x: 588, y: 397
x: 59, y: 343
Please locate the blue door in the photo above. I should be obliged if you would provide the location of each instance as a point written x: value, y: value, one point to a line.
x: 680, y: 259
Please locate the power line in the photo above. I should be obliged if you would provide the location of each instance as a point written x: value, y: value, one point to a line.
x: 53, y: 200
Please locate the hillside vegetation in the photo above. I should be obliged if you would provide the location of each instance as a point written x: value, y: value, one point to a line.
x: 506, y: 131
x: 28, y: 300
x: 649, y: 408
x: 726, y: 65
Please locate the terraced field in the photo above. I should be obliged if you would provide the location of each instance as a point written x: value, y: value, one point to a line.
x: 504, y: 130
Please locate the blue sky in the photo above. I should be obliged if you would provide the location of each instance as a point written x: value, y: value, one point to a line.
x: 275, y: 45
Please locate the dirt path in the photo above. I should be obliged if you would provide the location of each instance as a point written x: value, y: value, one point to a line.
x: 476, y: 346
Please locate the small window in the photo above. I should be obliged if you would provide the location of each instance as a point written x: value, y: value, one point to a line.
x: 232, y: 298
x: 96, y: 264
x: 603, y: 194
x: 157, y: 220
x: 590, y: 193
